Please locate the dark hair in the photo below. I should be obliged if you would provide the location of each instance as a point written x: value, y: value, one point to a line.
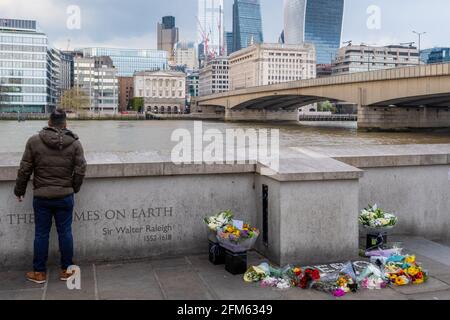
x: 58, y: 118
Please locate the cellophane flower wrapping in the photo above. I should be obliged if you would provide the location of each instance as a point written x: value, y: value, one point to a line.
x: 237, y: 245
x: 256, y: 274
x: 327, y: 283
x: 403, y: 270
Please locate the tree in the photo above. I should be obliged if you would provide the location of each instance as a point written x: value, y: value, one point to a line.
x: 137, y: 104
x: 75, y: 100
x: 326, y: 106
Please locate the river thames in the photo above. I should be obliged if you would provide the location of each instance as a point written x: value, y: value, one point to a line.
x: 155, y: 136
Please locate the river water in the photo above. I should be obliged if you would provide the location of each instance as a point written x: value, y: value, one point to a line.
x: 155, y: 136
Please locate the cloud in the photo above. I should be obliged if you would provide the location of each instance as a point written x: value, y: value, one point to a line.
x: 126, y: 22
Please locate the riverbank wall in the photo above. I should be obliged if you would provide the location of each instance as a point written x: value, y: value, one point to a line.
x: 134, y: 207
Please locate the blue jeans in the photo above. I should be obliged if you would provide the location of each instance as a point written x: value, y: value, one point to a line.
x: 44, y: 211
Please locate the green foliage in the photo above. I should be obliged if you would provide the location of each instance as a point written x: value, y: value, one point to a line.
x: 75, y: 100
x: 137, y: 104
x: 326, y: 106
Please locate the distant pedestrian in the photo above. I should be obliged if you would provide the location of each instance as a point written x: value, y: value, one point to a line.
x: 55, y: 157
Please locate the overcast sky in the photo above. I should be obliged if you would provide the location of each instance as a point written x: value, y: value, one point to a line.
x: 132, y: 23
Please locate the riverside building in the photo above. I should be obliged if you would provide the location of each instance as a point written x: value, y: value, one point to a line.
x: 213, y: 78
x: 29, y: 68
x: 163, y: 91
x: 265, y: 64
x: 361, y: 58
x: 97, y: 77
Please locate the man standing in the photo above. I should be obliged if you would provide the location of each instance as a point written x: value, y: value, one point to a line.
x: 55, y: 158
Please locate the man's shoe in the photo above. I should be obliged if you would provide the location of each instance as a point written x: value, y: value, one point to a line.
x: 64, y: 276
x: 37, y: 277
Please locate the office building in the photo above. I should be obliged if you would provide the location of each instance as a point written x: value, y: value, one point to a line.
x: 265, y: 64
x: 361, y: 58
x: 247, y: 24
x: 97, y: 77
x: 229, y: 43
x: 324, y: 70
x: 192, y: 85
x: 29, y: 68
x: 53, y: 77
x: 186, y: 55
x: 167, y: 36
x: 163, y: 91
x: 439, y: 55
x: 210, y: 26
x: 129, y: 61
x: 314, y: 21
x: 126, y: 92
x: 425, y: 54
x: 66, y: 71
x: 213, y: 78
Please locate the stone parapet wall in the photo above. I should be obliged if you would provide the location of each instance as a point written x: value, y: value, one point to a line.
x: 132, y: 206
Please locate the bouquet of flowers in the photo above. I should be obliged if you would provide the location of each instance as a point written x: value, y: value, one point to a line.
x: 403, y: 270
x: 237, y: 240
x: 216, y: 222
x: 279, y: 283
x: 372, y: 278
x: 375, y: 218
x: 256, y: 274
x: 338, y: 283
x: 307, y: 277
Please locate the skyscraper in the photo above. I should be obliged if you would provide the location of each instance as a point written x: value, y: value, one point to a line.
x: 229, y: 43
x: 168, y: 36
x: 294, y: 21
x: 247, y: 24
x: 315, y: 21
x: 210, y: 26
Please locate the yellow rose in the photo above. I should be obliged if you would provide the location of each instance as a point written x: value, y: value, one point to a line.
x: 410, y: 259
x: 412, y: 271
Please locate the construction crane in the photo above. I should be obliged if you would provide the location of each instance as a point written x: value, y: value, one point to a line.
x: 221, y: 34
x: 348, y: 43
x: 205, y: 37
x: 410, y: 44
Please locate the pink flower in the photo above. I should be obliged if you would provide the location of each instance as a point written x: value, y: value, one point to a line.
x: 339, y: 293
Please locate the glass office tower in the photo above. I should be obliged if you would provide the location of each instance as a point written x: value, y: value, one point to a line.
x: 229, y: 43
x: 315, y: 21
x: 129, y: 61
x: 247, y: 23
x: 29, y: 70
x: 439, y: 55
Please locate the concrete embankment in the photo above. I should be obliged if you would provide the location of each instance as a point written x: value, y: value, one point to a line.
x: 135, y: 206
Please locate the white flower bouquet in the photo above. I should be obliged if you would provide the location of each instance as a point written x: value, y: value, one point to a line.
x: 376, y: 219
x: 217, y: 222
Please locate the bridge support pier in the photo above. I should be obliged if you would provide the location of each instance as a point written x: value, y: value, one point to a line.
x: 261, y: 115
x: 402, y: 118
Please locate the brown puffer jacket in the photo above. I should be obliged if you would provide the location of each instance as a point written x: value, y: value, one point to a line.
x: 56, y: 159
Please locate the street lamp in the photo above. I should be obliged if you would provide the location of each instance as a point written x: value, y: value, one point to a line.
x: 419, y: 34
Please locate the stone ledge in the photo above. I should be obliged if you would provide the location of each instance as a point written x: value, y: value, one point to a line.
x: 303, y: 164
x: 386, y: 155
x: 307, y: 168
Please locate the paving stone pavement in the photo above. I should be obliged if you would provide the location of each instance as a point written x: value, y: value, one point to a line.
x: 195, y: 278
